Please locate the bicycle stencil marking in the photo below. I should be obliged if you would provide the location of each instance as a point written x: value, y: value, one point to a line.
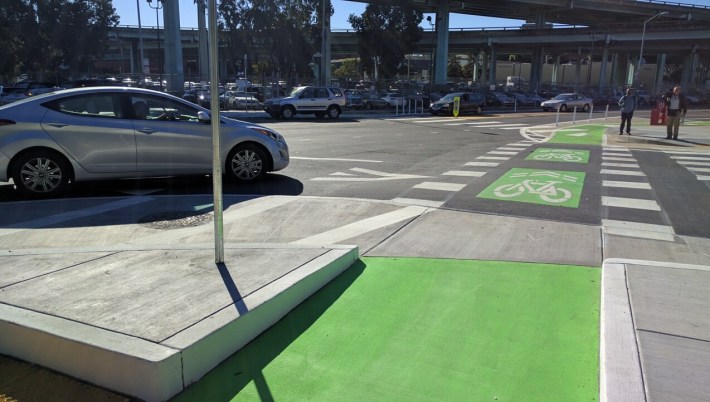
x: 559, y: 155
x: 546, y: 187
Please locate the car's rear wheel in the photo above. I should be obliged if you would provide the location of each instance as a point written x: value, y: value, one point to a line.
x: 333, y: 112
x: 287, y: 112
x: 41, y: 174
x: 563, y: 108
x: 246, y: 163
x: 585, y: 107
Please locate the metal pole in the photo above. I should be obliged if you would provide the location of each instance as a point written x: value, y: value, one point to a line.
x: 643, y: 36
x: 140, y: 41
x: 216, y: 157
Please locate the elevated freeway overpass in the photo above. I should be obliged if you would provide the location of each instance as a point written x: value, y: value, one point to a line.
x: 606, y: 30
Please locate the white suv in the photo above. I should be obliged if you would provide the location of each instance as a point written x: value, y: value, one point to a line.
x: 321, y: 101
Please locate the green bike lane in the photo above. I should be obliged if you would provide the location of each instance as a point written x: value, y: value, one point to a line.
x: 420, y: 329
x: 393, y: 329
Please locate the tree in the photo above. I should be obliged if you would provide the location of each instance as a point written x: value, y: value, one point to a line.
x: 286, y: 30
x: 387, y: 33
x: 348, y: 69
x: 37, y: 36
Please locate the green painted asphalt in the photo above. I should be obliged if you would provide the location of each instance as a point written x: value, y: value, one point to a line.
x: 412, y: 329
x: 587, y: 134
x: 537, y: 186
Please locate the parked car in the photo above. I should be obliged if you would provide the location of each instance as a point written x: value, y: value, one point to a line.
x: 354, y: 99
x: 239, y: 100
x: 12, y: 94
x: 372, y: 101
x: 498, y: 99
x: 395, y: 99
x: 321, y: 101
x: 97, y: 133
x: 567, y: 101
x: 469, y: 102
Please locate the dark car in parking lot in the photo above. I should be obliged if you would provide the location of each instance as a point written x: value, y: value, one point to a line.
x: 470, y: 102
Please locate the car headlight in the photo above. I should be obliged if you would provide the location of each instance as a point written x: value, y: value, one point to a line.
x: 272, y: 134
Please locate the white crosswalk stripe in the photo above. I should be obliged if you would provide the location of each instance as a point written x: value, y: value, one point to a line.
x: 464, y: 173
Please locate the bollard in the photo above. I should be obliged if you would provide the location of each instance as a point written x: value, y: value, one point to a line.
x: 574, y: 115
x: 606, y: 113
x: 515, y: 105
x: 591, y: 110
x: 557, y: 119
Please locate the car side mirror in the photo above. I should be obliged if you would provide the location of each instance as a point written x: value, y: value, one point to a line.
x: 203, y: 117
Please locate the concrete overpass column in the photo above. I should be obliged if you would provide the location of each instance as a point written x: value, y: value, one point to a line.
x: 483, y: 62
x: 690, y: 65
x: 202, y: 56
x: 173, y: 47
x: 578, y: 68
x: 442, y: 42
x: 660, y: 70
x: 492, y: 68
x: 555, y: 70
x: 536, y: 66
x: 614, y: 79
x: 605, y: 58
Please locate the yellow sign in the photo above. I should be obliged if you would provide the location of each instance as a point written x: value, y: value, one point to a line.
x: 457, y: 105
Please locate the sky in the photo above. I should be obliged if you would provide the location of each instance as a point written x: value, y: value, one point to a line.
x: 188, y: 15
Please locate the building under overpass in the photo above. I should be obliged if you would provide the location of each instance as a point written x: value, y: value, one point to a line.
x: 606, y: 32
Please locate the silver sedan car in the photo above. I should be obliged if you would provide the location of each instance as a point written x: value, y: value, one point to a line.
x: 52, y: 140
x: 569, y: 101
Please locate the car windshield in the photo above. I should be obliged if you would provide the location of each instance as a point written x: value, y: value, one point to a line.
x: 450, y: 97
x: 297, y: 92
x: 562, y: 97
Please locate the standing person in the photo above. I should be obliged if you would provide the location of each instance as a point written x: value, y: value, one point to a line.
x: 677, y: 107
x: 628, y: 104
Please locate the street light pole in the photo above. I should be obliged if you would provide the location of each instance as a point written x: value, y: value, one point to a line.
x: 643, y: 36
x: 157, y: 23
x: 140, y: 41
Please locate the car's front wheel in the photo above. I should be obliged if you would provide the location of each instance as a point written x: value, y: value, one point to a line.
x: 333, y: 112
x: 563, y: 108
x: 585, y: 107
x: 287, y: 112
x: 246, y: 163
x: 41, y: 174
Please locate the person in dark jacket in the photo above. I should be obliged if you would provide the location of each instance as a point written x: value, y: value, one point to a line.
x: 677, y: 107
x: 628, y: 104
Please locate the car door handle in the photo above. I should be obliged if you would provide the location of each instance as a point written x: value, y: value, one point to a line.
x: 57, y: 125
x: 146, y: 130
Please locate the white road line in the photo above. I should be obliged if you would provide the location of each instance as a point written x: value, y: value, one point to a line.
x: 700, y: 170
x: 638, y: 226
x: 497, y: 158
x: 617, y: 154
x: 487, y: 164
x: 636, y: 229
x: 511, y: 149
x: 515, y: 128
x: 360, y: 227
x: 639, y: 233
x: 334, y: 159
x: 482, y: 122
x: 502, y: 153
x: 626, y: 184
x: 695, y: 163
x: 690, y: 158
x: 627, y: 165
x: 430, y: 185
x: 616, y: 158
x: 68, y: 216
x: 633, y: 203
x: 500, y: 125
x: 622, y: 172
x: 416, y: 202
x: 686, y: 153
x: 703, y: 178
x: 464, y: 173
